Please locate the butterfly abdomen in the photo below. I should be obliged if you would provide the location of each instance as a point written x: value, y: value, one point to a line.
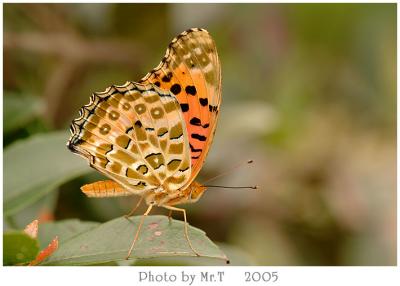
x: 102, y: 189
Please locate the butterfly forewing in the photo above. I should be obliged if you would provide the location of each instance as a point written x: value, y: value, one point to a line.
x: 134, y: 134
x: 191, y: 71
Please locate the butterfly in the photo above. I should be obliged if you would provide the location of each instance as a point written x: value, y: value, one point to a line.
x: 151, y: 137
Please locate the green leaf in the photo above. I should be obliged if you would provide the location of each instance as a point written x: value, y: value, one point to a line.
x: 19, y: 110
x: 237, y: 257
x: 37, y: 166
x: 111, y: 241
x: 65, y: 230
x: 19, y: 248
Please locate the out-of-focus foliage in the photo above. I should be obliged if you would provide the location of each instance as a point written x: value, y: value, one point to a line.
x: 16, y: 117
x: 309, y: 93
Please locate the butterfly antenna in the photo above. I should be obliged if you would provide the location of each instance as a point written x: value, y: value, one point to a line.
x: 227, y: 187
x: 228, y: 171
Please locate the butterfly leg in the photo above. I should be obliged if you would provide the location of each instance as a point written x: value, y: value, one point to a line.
x: 134, y: 209
x: 170, y: 216
x: 186, y: 224
x: 138, y: 230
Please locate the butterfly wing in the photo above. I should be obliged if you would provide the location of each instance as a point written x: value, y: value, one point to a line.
x: 192, y: 72
x: 135, y: 135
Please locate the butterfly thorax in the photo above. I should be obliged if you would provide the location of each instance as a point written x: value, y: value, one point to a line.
x: 163, y: 197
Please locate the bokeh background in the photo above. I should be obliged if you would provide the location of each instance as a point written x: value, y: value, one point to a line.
x: 309, y: 93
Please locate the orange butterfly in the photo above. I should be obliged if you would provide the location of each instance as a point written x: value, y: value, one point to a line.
x: 151, y: 138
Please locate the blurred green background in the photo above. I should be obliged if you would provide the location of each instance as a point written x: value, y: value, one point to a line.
x: 309, y: 93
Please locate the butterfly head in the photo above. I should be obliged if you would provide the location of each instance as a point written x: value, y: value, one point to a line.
x: 196, y: 190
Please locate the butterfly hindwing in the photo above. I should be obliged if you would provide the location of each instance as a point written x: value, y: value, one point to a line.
x: 134, y: 134
x: 191, y: 71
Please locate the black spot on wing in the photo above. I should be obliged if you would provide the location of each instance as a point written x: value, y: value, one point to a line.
x: 138, y: 124
x: 175, y: 89
x: 177, y: 137
x: 142, y: 169
x: 141, y: 183
x: 184, y: 107
x: 195, y: 121
x: 167, y: 77
x: 156, y: 160
x: 212, y: 108
x: 163, y: 133
x: 129, y: 129
x: 198, y: 137
x: 112, y: 147
x: 173, y: 161
x: 183, y: 170
x: 191, y: 89
x: 192, y: 149
x: 127, y: 143
x: 71, y: 146
x: 158, y: 167
x: 152, y: 154
x: 203, y: 101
